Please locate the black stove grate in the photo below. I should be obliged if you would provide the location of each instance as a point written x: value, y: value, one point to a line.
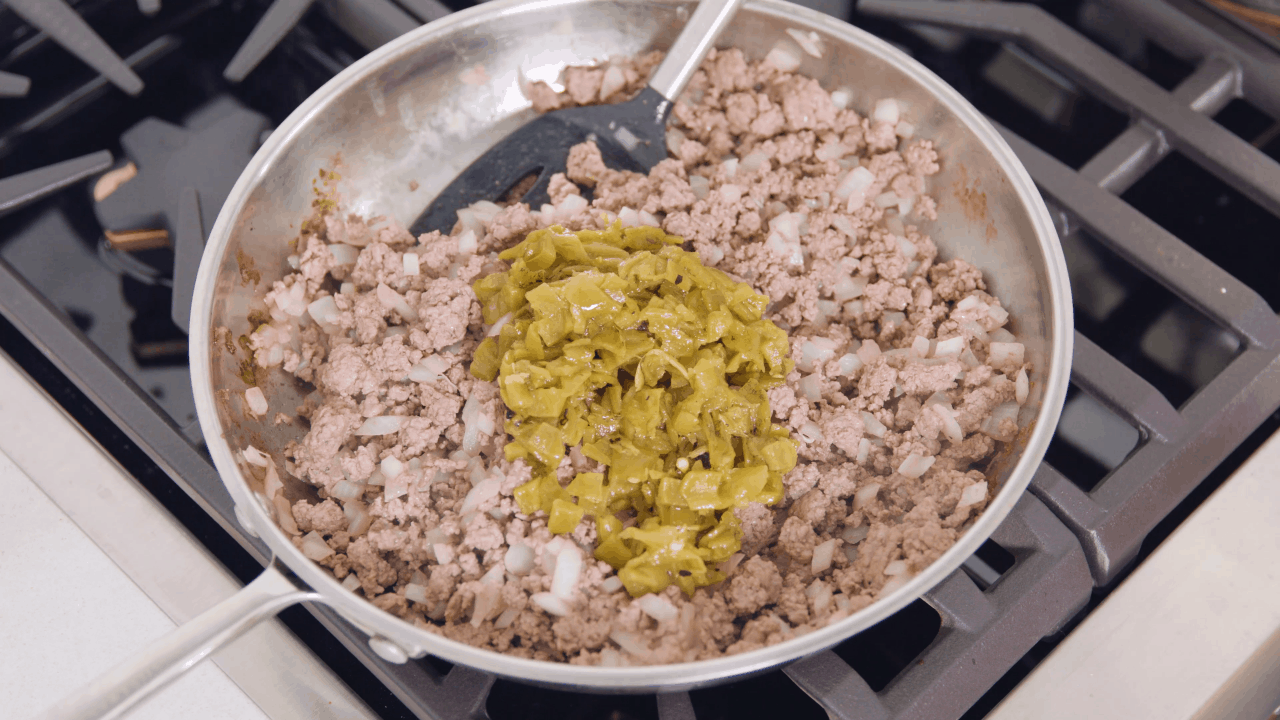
x: 1176, y: 351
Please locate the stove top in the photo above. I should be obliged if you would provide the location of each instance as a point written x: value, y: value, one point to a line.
x: 1149, y: 126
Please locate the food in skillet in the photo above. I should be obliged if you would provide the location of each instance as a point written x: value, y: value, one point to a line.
x: 456, y: 497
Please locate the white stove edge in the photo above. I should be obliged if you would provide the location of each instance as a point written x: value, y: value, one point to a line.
x: 134, y: 573
x: 1192, y: 634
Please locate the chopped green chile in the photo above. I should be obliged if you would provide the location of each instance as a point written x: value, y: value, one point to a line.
x: 627, y: 346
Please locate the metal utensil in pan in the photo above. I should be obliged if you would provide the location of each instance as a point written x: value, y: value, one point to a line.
x: 403, y: 108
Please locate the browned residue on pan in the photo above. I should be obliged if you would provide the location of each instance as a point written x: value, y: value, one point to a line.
x: 248, y: 272
x: 972, y: 201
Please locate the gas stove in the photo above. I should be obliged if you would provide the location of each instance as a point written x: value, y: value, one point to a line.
x: 1149, y: 126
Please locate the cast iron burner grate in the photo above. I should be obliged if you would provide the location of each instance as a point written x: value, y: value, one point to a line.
x: 1166, y: 217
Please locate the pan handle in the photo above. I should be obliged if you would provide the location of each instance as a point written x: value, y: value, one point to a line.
x: 114, y: 693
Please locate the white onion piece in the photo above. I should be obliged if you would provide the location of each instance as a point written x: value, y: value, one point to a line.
x: 855, y: 535
x: 897, y: 567
x: 325, y: 312
x: 810, y: 42
x: 1002, y: 335
x: 920, y: 346
x: 950, y: 426
x: 915, y: 465
x: 415, y: 593
x: 844, y: 225
x: 629, y: 643
x: 848, y: 364
x: 657, y: 607
x: 754, y: 161
x: 444, y: 553
x: 865, y: 494
x: 969, y: 303
x: 314, y: 546
x: 907, y: 248
x: 973, y: 494
x: 391, y: 468
x: 992, y: 424
x: 467, y: 242
x: 969, y: 359
x: 394, y: 300
x: 848, y: 288
x: 380, y: 425
x: 550, y: 603
x: 810, y: 432
x: 853, y: 188
x: 350, y: 582
x: 841, y: 98
x: 611, y: 584
x: 358, y: 518
x: 873, y: 426
x: 256, y: 400
x: 377, y: 478
x: 1021, y: 386
x: 470, y: 223
x: 347, y: 288
x: 951, y: 347
x: 893, y: 584
x: 811, y: 387
x: 344, y: 254
x: 783, y: 59
x: 864, y: 449
x: 647, y: 218
x: 675, y: 139
x: 284, y: 514
x: 904, y: 130
x: 507, y: 617
x: 613, y: 81
x: 831, y: 151
x: 254, y: 456
x: 815, y: 352
x: 1005, y: 354
x: 999, y: 314
x: 822, y: 554
x: 488, y: 599
x: 568, y: 571
x: 570, y: 206
x: 519, y: 559
x: 700, y: 186
x: 482, y: 492
x: 886, y: 111
x: 346, y: 490
x: 869, y: 352
x: 410, y: 262
x: 887, y: 199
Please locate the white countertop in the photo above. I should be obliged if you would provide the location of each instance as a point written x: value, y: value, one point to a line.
x: 92, y: 569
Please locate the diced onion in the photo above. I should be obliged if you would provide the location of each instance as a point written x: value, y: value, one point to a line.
x: 865, y: 494
x: 325, y: 312
x: 915, y: 465
x: 350, y: 583
x: 1021, y: 386
x: 550, y: 603
x: 810, y: 42
x: 822, y: 554
x: 254, y: 456
x: 256, y: 400
x: 444, y: 553
x: 973, y: 494
x: 810, y: 432
x: 869, y: 352
x: 831, y: 151
x: 897, y: 567
x: 886, y: 199
x: 950, y: 426
x: 344, y: 254
x: 848, y: 364
x: 811, y: 387
x: 848, y: 288
x: 410, y: 262
x: 873, y: 426
x: 346, y: 490
x: 611, y: 584
x: 507, y: 617
x: 380, y: 425
x: 613, y: 81
x: 657, y: 607
x: 481, y: 493
x: 920, y: 346
x: 951, y: 347
x: 853, y: 188
x: 314, y: 546
x: 974, y: 329
x: 814, y: 352
x: 754, y: 161
x: 855, y: 535
x: 358, y: 518
x: 864, y: 449
x: 519, y: 559
x: 893, y: 584
x: 1005, y: 355
x: 629, y: 643
x: 992, y: 424
x: 886, y: 111
x: 783, y: 59
x: 999, y: 314
x: 415, y: 593
x: 1002, y: 335
x: 700, y: 186
x: 841, y: 98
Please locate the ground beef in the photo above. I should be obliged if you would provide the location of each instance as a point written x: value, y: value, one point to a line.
x: 890, y: 346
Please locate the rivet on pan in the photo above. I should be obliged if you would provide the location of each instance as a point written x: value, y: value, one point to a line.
x: 388, y: 650
x: 242, y: 517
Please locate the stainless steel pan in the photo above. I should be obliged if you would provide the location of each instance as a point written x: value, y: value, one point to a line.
x: 402, y: 114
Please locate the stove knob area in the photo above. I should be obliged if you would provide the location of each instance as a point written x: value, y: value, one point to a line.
x: 388, y: 650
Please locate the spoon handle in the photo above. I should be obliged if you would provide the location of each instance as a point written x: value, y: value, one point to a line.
x: 699, y: 34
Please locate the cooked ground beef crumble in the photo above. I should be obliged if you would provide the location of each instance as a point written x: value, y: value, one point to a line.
x: 905, y: 382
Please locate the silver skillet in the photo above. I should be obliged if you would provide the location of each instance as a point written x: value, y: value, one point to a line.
x: 404, y: 114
